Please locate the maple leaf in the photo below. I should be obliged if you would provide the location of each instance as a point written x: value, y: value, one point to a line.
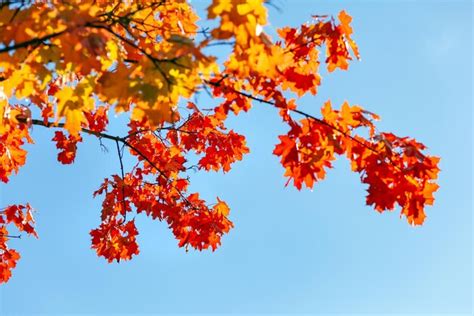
x: 222, y: 208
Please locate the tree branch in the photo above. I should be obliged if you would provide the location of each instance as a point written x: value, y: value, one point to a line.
x: 10, y: 236
x: 85, y: 130
x: 117, y: 139
x: 318, y: 120
x: 33, y: 41
x: 119, y: 153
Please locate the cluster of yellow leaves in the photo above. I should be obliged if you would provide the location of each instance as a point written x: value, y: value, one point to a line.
x: 242, y: 19
x: 209, y: 137
x: 101, y: 51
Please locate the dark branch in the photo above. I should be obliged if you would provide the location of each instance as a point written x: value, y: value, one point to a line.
x: 34, y: 41
x: 318, y: 120
x: 117, y: 139
x: 10, y: 236
x: 119, y: 152
x: 85, y: 130
x: 132, y: 44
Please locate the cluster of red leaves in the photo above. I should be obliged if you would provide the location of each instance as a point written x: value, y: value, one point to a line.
x: 303, y: 45
x: 14, y: 134
x: 207, y: 135
x: 67, y: 146
x: 21, y: 217
x: 192, y: 222
x: 306, y: 151
x: 395, y: 169
x: 156, y: 187
x: 115, y: 240
x: 96, y: 122
x: 401, y: 175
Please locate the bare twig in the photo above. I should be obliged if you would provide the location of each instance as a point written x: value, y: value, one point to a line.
x: 119, y: 153
x: 10, y: 236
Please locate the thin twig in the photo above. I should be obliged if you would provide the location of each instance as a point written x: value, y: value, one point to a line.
x: 123, y: 181
x: 10, y: 236
x: 122, y: 140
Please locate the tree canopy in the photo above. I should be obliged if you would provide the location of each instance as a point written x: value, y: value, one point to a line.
x: 68, y: 66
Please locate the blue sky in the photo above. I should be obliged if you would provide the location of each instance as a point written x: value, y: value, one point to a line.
x: 314, y: 252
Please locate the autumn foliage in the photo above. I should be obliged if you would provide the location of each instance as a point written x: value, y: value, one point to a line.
x: 68, y: 66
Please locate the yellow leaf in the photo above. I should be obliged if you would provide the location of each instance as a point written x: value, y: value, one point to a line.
x: 217, y: 7
x: 3, y: 106
x: 112, y: 55
x: 70, y: 107
x: 222, y: 208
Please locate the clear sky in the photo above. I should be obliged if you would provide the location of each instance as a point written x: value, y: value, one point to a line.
x: 314, y: 252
